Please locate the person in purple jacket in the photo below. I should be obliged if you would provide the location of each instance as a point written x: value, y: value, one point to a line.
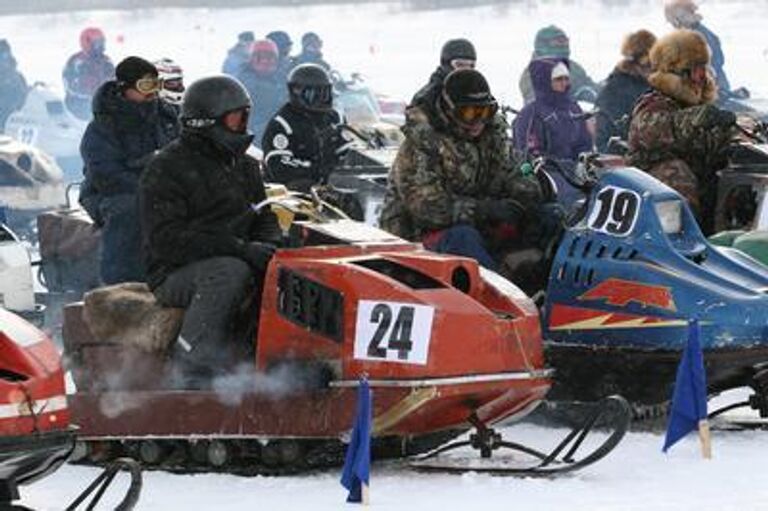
x: 552, y: 125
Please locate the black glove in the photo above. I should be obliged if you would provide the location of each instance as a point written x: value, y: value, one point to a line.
x: 258, y: 254
x: 713, y: 117
x: 500, y: 210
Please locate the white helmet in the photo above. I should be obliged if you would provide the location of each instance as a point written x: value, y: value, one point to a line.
x: 172, y: 78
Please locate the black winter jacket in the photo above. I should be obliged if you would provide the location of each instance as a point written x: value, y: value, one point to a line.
x: 616, y: 100
x: 427, y: 95
x: 195, y: 203
x: 120, y: 140
x: 301, y: 148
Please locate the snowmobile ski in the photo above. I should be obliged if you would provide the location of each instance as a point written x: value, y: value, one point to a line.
x: 613, y: 412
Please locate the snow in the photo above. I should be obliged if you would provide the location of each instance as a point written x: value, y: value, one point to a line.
x: 397, y: 49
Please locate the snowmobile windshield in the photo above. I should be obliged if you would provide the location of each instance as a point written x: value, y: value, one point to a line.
x: 358, y: 108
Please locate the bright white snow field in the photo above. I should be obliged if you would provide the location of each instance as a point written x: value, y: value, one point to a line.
x: 397, y: 50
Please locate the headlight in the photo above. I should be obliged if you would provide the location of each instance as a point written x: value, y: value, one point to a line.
x: 670, y: 214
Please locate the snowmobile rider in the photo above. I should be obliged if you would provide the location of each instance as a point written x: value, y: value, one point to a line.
x: 683, y: 14
x: 129, y: 124
x: 303, y: 142
x: 265, y: 88
x: 455, y: 54
x: 553, y: 124
x: 13, y: 86
x: 206, y: 248
x: 85, y: 71
x: 453, y: 185
x: 284, y: 45
x: 311, y: 51
x: 627, y: 82
x: 677, y: 134
x: 553, y: 42
x: 239, y: 55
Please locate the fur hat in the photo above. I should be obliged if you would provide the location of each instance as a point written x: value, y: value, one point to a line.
x: 674, y: 53
x: 637, y: 45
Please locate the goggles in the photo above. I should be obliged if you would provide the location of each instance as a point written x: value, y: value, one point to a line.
x: 148, y: 85
x: 463, y: 64
x: 473, y: 114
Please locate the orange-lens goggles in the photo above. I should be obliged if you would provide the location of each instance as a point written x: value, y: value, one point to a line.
x: 149, y: 84
x: 475, y: 113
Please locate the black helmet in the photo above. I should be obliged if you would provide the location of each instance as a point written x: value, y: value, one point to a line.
x: 310, y: 88
x: 457, y: 49
x: 207, y: 101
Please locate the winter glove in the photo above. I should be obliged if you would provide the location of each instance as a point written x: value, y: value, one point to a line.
x: 258, y: 254
x: 500, y: 211
x: 713, y: 117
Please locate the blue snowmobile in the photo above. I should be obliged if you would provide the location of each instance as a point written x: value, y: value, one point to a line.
x: 627, y: 277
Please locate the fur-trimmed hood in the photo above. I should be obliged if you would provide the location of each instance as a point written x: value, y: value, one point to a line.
x: 670, y: 56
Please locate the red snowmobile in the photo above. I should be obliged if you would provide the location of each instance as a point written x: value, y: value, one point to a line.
x: 35, y: 433
x: 444, y: 344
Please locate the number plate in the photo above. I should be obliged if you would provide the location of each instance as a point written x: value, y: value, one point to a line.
x: 615, y: 211
x: 393, y: 332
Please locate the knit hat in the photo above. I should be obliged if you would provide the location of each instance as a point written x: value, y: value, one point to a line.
x: 552, y: 41
x: 457, y: 49
x: 132, y: 69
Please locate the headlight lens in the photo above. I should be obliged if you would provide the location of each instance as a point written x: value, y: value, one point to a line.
x: 670, y: 214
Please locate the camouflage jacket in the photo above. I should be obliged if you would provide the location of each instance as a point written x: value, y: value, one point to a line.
x: 438, y: 178
x: 663, y: 129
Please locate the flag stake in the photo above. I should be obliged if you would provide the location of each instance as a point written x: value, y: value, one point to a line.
x: 705, y: 439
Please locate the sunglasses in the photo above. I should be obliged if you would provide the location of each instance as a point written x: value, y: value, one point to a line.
x: 148, y: 85
x: 696, y: 73
x: 174, y: 85
x: 472, y: 114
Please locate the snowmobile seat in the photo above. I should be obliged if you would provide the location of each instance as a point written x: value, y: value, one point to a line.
x: 120, y: 330
x: 69, y: 250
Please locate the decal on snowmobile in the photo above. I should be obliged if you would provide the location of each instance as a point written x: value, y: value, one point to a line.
x: 565, y: 317
x: 615, y: 211
x: 621, y: 292
x: 393, y: 332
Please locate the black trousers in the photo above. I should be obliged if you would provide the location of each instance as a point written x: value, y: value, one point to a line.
x: 212, y: 291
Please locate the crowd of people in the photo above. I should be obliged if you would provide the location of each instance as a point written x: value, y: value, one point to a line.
x: 169, y: 181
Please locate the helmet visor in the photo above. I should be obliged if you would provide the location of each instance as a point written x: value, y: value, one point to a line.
x: 317, y: 97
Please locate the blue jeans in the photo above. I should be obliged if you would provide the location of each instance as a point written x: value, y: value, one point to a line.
x: 121, y: 255
x: 462, y: 240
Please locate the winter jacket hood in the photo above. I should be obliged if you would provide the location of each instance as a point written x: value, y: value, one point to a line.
x: 541, y: 77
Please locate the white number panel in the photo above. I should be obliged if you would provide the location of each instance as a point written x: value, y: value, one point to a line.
x: 615, y: 211
x: 393, y: 332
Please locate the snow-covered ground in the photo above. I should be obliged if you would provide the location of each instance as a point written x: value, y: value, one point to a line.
x: 636, y: 476
x: 397, y: 50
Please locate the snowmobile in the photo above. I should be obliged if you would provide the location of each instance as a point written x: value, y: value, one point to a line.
x: 444, y: 344
x: 30, y: 182
x: 36, y: 437
x: 45, y: 123
x: 624, y: 282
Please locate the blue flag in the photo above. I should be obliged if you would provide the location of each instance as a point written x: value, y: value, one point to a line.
x: 357, y: 464
x: 689, y: 401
